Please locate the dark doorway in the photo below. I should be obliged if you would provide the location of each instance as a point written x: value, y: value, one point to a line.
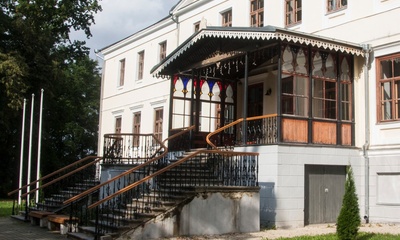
x: 255, y: 100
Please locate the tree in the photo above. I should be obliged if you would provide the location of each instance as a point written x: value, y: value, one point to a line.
x: 348, y: 220
x: 36, y: 52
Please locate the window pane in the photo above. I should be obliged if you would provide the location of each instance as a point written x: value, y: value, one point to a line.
x: 330, y: 67
x: 318, y: 88
x: 301, y: 62
x: 386, y: 69
x: 318, y: 108
x: 287, y: 63
x: 386, y: 89
x: 396, y: 66
x: 386, y: 111
x: 301, y: 86
x: 344, y: 70
x: 330, y: 90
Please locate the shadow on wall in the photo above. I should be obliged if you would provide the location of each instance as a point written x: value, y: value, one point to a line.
x: 267, y: 204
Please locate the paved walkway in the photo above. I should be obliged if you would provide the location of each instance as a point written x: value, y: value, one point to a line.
x: 13, y: 229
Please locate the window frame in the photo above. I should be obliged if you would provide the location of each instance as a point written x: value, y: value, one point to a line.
x: 291, y: 17
x: 256, y: 12
x: 162, y: 50
x: 118, y: 124
x: 226, y: 18
x: 338, y: 5
x: 394, y: 89
x: 158, y: 122
x: 140, y: 72
x: 196, y: 26
x: 121, y: 77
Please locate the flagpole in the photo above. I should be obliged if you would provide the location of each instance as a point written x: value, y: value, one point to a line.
x: 30, y: 152
x: 39, y: 146
x: 21, y: 161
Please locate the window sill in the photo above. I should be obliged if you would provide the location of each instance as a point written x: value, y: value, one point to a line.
x: 336, y: 13
x: 292, y: 25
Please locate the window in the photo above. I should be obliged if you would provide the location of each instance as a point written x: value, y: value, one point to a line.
x: 294, y: 95
x: 256, y: 13
x: 158, y: 123
x: 334, y: 5
x: 121, y: 72
x: 346, y: 88
x: 140, y: 65
x: 196, y: 27
x: 136, y: 127
x: 324, y: 85
x: 163, y: 50
x: 293, y: 12
x: 388, y: 85
x: 227, y: 18
x: 118, y: 124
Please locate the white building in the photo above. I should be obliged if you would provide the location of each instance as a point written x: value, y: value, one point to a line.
x: 327, y: 74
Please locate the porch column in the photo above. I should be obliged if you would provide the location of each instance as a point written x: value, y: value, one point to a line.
x: 245, y: 100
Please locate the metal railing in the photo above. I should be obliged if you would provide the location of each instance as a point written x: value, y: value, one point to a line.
x: 163, y: 184
x: 119, y: 147
x: 260, y: 130
x: 64, y: 179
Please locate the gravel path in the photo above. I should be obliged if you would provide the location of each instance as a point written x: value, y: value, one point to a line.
x: 308, y: 230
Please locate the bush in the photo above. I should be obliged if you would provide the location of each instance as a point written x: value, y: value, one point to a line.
x: 349, y: 220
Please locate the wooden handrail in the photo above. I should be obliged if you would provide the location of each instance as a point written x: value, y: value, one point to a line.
x: 63, y: 176
x: 53, y: 173
x: 232, y: 124
x: 137, y: 183
x: 153, y: 159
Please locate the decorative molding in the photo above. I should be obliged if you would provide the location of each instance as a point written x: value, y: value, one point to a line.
x: 159, y: 102
x: 117, y: 112
x: 136, y: 107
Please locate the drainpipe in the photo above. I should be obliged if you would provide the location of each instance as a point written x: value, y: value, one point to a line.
x: 367, y: 49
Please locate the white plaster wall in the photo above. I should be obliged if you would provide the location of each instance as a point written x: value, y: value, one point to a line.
x: 282, y: 176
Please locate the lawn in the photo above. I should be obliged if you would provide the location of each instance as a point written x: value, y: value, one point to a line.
x: 5, y: 208
x: 361, y: 236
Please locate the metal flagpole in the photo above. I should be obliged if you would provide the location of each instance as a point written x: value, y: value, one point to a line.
x: 21, y: 161
x: 28, y: 180
x: 39, y: 146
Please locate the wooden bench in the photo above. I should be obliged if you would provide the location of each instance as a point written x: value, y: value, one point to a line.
x: 61, y: 223
x: 39, y: 217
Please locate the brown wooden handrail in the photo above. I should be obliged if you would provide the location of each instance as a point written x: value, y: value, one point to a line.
x: 232, y: 124
x: 170, y: 166
x: 53, y: 173
x: 63, y: 176
x: 91, y: 190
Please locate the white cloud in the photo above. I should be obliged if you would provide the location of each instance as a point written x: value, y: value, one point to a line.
x: 121, y: 18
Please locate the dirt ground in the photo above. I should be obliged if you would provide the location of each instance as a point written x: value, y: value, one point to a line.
x: 308, y: 230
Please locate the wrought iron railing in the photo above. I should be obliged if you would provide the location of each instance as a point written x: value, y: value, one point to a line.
x: 143, y: 166
x: 260, y: 130
x: 162, y: 184
x: 68, y: 180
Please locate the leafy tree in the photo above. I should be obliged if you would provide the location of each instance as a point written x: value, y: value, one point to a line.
x: 348, y: 220
x: 36, y: 52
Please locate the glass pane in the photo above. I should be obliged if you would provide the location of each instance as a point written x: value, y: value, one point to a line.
x: 344, y: 70
x: 301, y: 86
x: 318, y: 109
x: 318, y: 88
x: 287, y: 63
x: 229, y: 94
x: 346, y: 89
x: 396, y: 66
x: 386, y: 111
x: 386, y: 69
x: 345, y: 111
x: 330, y: 67
x: 330, y: 109
x: 287, y: 105
x: 317, y: 63
x: 301, y: 108
x: 287, y: 85
x: 301, y: 62
x: 386, y: 91
x: 330, y: 90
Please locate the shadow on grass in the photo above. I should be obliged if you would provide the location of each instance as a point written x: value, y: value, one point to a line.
x: 366, y: 236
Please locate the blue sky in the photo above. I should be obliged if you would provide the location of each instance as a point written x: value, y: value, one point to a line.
x: 121, y: 18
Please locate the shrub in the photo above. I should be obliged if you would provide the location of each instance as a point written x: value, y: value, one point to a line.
x: 349, y: 220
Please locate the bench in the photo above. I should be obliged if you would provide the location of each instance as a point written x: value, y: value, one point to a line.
x: 39, y: 217
x: 61, y: 223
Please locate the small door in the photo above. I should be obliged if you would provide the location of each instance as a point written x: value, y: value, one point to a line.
x: 324, y: 190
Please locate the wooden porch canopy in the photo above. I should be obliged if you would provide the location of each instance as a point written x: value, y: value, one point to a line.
x: 213, y: 44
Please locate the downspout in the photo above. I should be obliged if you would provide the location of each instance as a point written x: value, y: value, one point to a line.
x: 367, y: 50
x: 176, y: 20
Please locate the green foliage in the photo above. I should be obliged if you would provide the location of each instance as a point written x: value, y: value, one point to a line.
x: 361, y: 236
x: 36, y: 53
x: 5, y: 208
x: 348, y: 220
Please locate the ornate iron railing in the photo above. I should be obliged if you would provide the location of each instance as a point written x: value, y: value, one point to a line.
x: 143, y: 167
x: 55, y: 186
x: 161, y: 184
x: 260, y: 130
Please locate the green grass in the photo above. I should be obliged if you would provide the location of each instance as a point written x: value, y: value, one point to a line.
x: 5, y: 208
x: 361, y: 236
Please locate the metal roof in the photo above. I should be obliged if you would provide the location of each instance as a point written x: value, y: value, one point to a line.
x: 237, y: 40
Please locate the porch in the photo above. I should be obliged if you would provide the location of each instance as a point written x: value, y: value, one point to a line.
x: 262, y: 86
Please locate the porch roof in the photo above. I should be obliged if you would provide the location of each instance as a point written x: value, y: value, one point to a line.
x: 217, y: 43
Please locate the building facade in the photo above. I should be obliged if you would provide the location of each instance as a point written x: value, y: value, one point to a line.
x: 320, y: 79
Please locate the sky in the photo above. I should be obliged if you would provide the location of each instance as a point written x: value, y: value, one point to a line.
x: 122, y: 18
